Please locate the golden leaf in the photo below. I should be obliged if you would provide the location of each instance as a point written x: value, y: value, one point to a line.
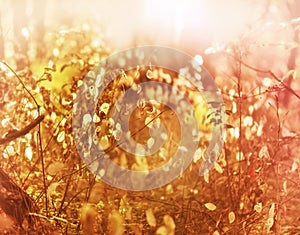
x: 272, y: 211
x: 170, y: 224
x: 162, y: 230
x: 55, y: 168
x: 88, y: 215
x: 61, y: 136
x: 231, y: 217
x: 150, y: 217
x: 258, y: 207
x: 218, y: 168
x: 210, y: 206
x: 206, y: 176
x: 52, y: 189
x: 115, y: 223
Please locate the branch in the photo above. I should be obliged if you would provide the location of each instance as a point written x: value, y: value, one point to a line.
x: 14, y: 201
x: 287, y: 87
x: 14, y: 134
x: 22, y: 83
x: 36, y: 122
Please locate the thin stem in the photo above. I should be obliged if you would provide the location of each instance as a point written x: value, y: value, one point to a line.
x: 22, y: 83
x: 289, y: 89
x: 14, y: 134
x: 41, y: 155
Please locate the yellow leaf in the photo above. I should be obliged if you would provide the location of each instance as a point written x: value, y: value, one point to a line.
x: 206, y: 176
x: 28, y: 153
x: 150, y: 217
x: 201, y: 112
x: 115, y: 223
x: 59, y: 78
x: 170, y: 224
x: 258, y: 207
x: 55, y: 168
x: 264, y: 152
x: 231, y: 217
x: 88, y: 216
x: 218, y: 167
x: 52, y: 189
x: 61, y: 136
x: 210, y: 206
x: 296, y: 73
x: 272, y: 211
x: 97, y: 193
x: 270, y: 223
x: 294, y: 167
x: 162, y: 230
x: 198, y: 155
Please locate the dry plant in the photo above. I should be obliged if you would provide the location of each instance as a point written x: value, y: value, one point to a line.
x: 252, y: 189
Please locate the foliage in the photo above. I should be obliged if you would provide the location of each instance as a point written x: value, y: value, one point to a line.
x: 253, y: 188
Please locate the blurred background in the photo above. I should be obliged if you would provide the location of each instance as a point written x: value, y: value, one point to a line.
x: 266, y: 29
x: 188, y: 25
x: 250, y: 47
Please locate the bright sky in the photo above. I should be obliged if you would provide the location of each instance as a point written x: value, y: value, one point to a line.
x: 184, y: 24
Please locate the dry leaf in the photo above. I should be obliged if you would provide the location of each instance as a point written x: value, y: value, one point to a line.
x: 198, y: 155
x: 55, y: 168
x: 61, y: 136
x: 162, y: 230
x: 272, y: 210
x: 206, y: 176
x: 88, y: 215
x: 258, y: 207
x: 52, y: 189
x: 218, y: 168
x: 168, y: 228
x: 125, y: 208
x: 231, y: 217
x: 169, y: 189
x: 270, y: 220
x: 150, y: 217
x: 264, y: 152
x: 210, y: 206
x: 284, y: 186
x: 170, y: 224
x: 294, y: 167
x: 97, y: 193
x: 115, y: 223
x: 269, y: 224
x: 28, y: 153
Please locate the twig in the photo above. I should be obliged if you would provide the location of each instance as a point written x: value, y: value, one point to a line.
x: 230, y: 187
x: 267, y: 72
x: 114, y: 146
x: 52, y: 218
x: 41, y: 155
x: 22, y: 83
x: 63, y: 200
x: 14, y: 134
x: 239, y: 87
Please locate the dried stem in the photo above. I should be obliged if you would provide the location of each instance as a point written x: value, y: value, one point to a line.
x: 286, y: 86
x: 14, y: 134
x: 41, y: 155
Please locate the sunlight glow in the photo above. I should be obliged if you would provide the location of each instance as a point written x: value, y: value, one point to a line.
x: 28, y: 153
x: 267, y: 82
x: 55, y: 52
x: 172, y: 15
x: 25, y: 32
